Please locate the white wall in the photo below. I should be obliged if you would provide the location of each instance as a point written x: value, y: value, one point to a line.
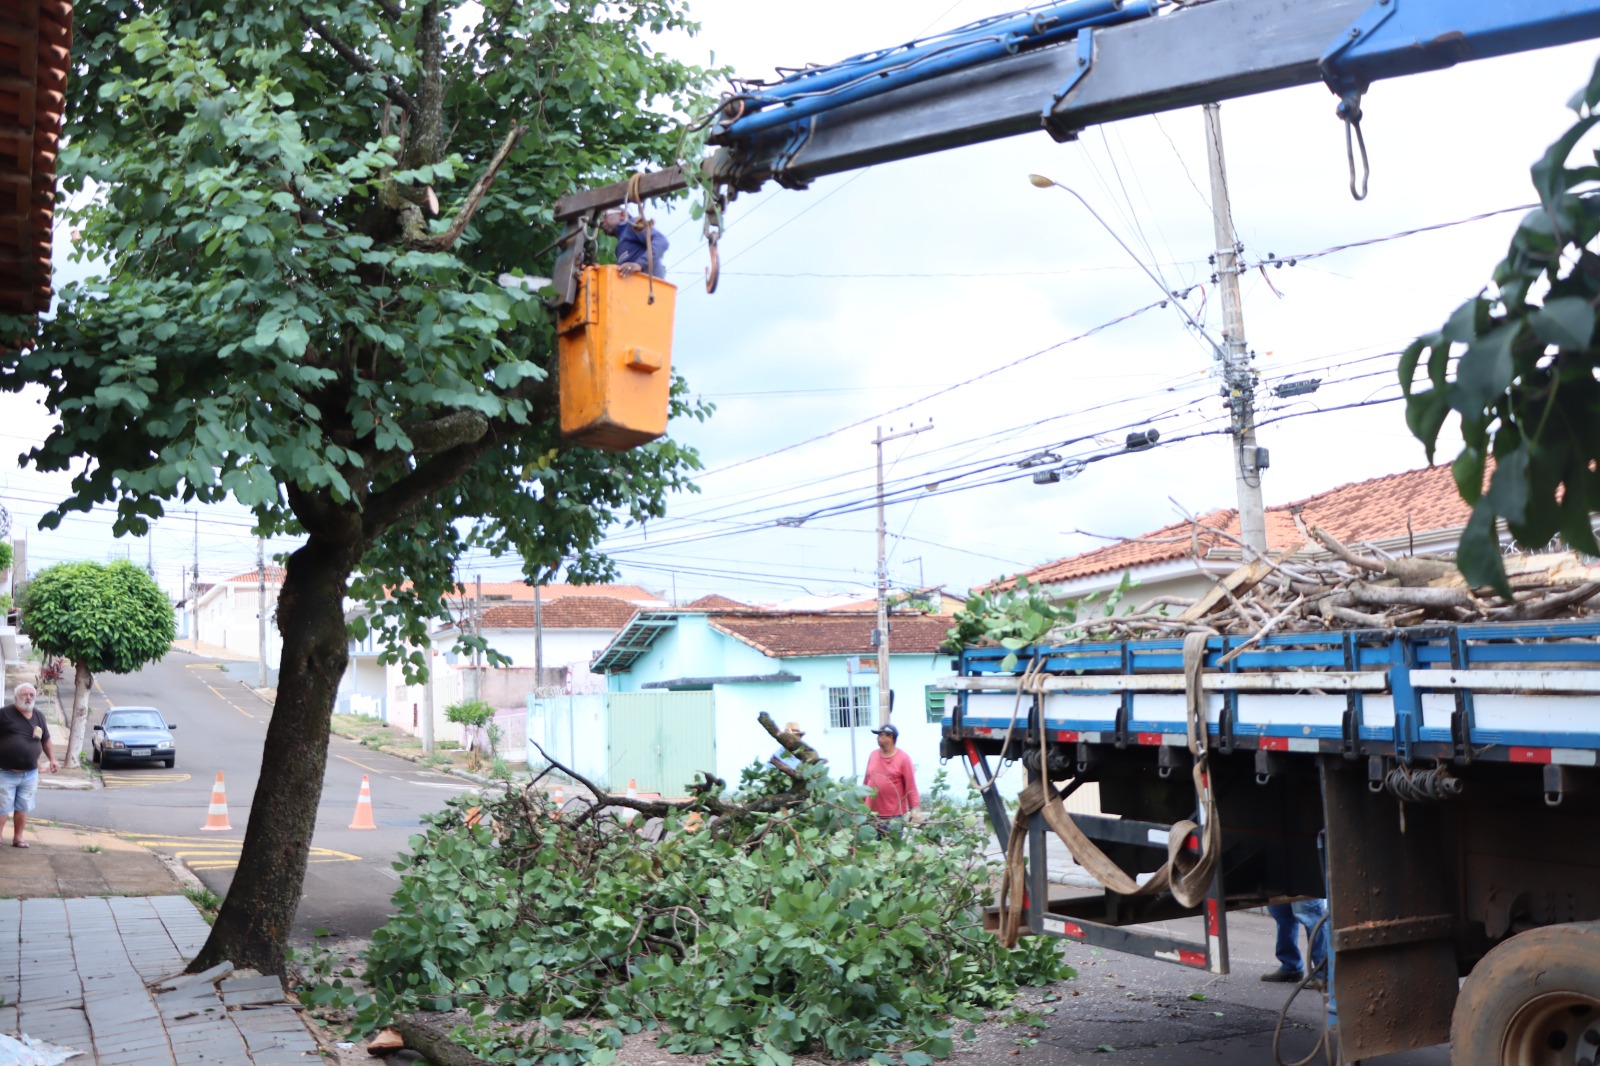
x: 229, y: 617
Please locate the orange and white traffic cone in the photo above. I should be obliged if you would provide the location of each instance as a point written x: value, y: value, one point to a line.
x: 363, y: 817
x: 217, y: 813
x: 633, y: 788
x: 559, y: 798
x: 692, y: 822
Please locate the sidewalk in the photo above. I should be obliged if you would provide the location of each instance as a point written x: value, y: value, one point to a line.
x: 88, y: 922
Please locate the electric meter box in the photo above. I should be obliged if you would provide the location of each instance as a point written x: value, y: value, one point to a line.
x: 615, y: 349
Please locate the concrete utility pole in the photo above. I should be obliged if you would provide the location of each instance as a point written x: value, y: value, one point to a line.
x: 1237, y: 376
x: 538, y: 638
x: 477, y: 631
x: 194, y: 597
x: 881, y: 643
x: 261, y: 612
x: 427, y: 698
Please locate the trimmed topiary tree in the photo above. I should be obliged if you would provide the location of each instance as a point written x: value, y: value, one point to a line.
x: 104, y: 618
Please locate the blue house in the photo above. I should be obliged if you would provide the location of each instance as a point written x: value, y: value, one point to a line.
x: 685, y: 686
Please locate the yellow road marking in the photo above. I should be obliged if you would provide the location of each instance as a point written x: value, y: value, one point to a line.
x: 128, y: 780
x: 363, y: 765
x: 219, y: 694
x: 210, y: 853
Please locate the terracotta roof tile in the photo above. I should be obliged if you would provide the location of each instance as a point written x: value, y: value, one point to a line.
x: 251, y: 577
x: 37, y: 52
x: 521, y: 590
x: 1414, y: 502
x: 569, y: 612
x: 714, y: 602
x: 784, y: 636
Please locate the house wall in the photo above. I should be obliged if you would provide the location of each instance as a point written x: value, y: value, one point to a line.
x: 693, y: 649
x: 568, y: 649
x: 574, y: 731
x: 228, y: 617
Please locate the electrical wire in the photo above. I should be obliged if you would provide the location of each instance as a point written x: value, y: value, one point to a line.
x: 941, y: 392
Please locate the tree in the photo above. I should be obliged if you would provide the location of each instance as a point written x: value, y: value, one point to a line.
x: 1524, y: 379
x: 305, y: 208
x: 104, y: 618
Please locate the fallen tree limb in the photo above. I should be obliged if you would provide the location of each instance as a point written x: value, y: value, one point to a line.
x: 1400, y: 595
x: 435, y: 1043
x: 1337, y: 547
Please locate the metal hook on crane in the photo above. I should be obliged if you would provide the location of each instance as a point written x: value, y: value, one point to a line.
x: 711, y: 226
x: 1350, y: 111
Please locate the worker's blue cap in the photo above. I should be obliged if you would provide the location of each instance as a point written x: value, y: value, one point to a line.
x: 889, y: 731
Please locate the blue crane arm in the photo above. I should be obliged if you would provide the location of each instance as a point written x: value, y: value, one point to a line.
x: 831, y: 119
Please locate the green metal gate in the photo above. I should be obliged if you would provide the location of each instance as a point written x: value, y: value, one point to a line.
x: 660, y: 739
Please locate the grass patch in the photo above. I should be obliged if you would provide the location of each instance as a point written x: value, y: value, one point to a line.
x: 208, y: 902
x: 92, y: 849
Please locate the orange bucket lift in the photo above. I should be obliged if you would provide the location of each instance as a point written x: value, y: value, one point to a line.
x: 615, y: 351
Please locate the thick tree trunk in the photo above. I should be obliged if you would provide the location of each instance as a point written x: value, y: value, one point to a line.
x: 78, y: 717
x: 252, y: 929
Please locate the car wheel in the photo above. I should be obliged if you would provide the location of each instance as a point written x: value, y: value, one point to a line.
x: 168, y: 762
x: 94, y: 754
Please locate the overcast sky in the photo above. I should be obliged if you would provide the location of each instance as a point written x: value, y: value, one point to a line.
x: 878, y: 297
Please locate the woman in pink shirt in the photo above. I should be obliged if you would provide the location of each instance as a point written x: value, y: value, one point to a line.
x: 889, y: 772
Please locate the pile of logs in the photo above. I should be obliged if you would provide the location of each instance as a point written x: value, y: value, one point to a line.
x: 1346, y: 589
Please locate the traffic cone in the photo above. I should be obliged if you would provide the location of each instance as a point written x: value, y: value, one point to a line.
x: 559, y: 798
x: 217, y: 813
x: 633, y: 789
x: 364, y: 807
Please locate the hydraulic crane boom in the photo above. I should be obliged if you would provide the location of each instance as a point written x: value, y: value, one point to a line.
x: 1078, y: 64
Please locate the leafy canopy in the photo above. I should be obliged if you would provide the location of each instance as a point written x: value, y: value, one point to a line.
x: 1518, y: 365
x: 105, y: 617
x: 284, y: 321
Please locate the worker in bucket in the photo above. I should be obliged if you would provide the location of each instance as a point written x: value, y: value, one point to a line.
x: 639, y: 246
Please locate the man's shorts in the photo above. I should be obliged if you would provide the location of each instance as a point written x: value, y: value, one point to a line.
x: 17, y: 788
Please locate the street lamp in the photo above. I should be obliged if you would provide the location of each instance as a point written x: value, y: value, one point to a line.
x: 1039, y: 181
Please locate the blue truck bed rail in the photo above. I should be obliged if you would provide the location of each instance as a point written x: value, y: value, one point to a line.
x: 1514, y: 692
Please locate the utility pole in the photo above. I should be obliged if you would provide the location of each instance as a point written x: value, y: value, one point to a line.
x: 477, y: 631
x: 538, y: 638
x: 1237, y: 376
x: 261, y: 612
x: 194, y: 597
x: 881, y: 634
x: 427, y: 696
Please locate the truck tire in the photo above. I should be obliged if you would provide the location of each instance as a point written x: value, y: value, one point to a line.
x: 1534, y: 1000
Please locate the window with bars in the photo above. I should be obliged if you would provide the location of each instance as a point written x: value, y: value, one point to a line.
x: 850, y: 707
x: 935, y: 700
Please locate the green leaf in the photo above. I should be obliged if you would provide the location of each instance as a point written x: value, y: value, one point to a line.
x: 1478, y: 554
x: 1468, y: 471
x: 1485, y: 370
x: 1565, y: 321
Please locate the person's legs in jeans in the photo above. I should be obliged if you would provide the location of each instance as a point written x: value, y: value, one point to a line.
x: 1288, y: 945
x: 1308, y: 912
x: 23, y: 803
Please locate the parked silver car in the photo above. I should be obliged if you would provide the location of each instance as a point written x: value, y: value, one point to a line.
x: 134, y: 734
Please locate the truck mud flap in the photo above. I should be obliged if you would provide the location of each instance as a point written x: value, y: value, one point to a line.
x: 1389, y: 904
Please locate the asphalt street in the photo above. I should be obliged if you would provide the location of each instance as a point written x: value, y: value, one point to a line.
x: 221, y: 728
x: 1120, y: 1008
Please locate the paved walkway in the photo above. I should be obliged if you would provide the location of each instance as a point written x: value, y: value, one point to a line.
x: 85, y: 972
